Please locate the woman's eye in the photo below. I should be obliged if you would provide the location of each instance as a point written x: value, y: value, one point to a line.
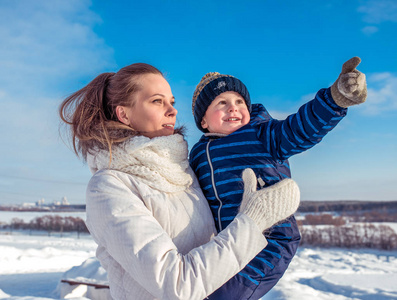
x: 157, y: 101
x: 173, y: 103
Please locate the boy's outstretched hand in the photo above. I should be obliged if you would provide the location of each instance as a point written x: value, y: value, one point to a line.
x: 350, y: 88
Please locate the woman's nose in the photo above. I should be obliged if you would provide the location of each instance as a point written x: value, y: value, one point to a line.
x: 171, y: 111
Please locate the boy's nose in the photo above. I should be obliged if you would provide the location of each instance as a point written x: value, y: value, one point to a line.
x: 232, y: 108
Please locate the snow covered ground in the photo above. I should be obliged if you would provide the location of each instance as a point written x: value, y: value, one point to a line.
x: 339, y: 274
x: 32, y: 266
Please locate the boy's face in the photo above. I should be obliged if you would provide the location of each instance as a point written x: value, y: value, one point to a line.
x: 227, y: 113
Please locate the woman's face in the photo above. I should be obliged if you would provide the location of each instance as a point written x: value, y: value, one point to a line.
x: 152, y: 112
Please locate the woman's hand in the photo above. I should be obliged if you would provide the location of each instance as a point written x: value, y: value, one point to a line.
x: 271, y: 205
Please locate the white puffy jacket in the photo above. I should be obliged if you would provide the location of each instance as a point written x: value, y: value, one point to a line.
x: 153, y: 226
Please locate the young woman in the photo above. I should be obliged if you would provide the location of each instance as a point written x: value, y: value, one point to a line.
x: 145, y: 209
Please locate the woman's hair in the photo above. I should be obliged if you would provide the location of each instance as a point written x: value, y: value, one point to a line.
x: 91, y: 111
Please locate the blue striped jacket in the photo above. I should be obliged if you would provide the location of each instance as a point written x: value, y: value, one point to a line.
x: 264, y: 145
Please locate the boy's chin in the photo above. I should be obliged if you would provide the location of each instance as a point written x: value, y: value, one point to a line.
x: 231, y: 129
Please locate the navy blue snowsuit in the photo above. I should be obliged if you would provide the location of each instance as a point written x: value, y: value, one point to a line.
x: 264, y: 145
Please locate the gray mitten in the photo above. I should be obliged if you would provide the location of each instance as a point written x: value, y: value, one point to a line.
x: 350, y: 88
x: 271, y: 205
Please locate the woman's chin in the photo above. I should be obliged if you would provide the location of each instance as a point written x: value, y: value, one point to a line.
x: 161, y: 132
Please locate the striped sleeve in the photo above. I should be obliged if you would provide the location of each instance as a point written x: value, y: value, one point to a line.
x: 304, y: 129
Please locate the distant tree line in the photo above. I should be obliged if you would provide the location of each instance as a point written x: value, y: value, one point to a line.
x: 320, y: 230
x: 322, y: 219
x: 49, y: 223
x: 44, y: 208
x: 335, y: 232
x: 374, y: 216
x: 363, y: 217
x: 348, y: 207
x: 355, y: 236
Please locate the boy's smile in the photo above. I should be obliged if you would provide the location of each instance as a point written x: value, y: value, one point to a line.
x: 226, y: 113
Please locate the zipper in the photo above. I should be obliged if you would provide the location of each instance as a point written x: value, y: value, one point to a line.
x: 213, y: 185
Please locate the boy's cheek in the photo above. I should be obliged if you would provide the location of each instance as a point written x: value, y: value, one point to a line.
x: 246, y: 120
x: 216, y: 116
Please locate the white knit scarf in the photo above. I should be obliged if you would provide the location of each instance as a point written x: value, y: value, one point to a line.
x: 159, y: 162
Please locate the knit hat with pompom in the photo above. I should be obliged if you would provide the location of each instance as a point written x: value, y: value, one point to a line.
x: 212, y: 85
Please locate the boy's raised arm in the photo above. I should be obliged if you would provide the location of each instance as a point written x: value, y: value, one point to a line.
x: 306, y: 128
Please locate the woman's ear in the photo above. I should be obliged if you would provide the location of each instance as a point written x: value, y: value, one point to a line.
x: 121, y: 112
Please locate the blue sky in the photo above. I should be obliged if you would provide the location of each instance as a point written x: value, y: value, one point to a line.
x: 284, y: 51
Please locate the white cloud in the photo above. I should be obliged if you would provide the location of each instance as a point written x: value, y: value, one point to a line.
x: 370, y: 30
x: 48, y: 41
x: 49, y: 44
x: 48, y: 48
x: 377, y: 11
x: 279, y: 115
x: 382, y: 94
x: 382, y: 97
x: 307, y: 97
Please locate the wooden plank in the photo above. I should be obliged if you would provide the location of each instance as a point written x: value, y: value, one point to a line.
x: 97, y: 286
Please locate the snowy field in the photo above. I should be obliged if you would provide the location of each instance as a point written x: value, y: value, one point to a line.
x: 32, y: 266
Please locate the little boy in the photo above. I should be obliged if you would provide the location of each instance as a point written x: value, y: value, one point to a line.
x: 239, y: 135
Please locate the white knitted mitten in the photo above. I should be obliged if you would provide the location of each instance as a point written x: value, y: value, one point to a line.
x: 350, y: 88
x: 268, y: 206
